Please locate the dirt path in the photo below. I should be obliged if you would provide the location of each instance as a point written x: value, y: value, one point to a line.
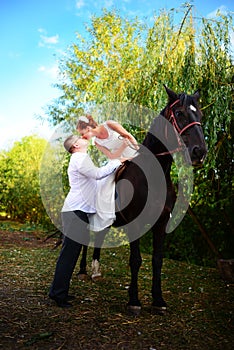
x: 199, y: 314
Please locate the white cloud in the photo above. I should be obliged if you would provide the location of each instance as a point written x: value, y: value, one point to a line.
x: 108, y: 3
x: 50, y: 39
x: 14, y: 55
x: 222, y: 9
x: 51, y: 71
x: 80, y: 4
x: 46, y: 40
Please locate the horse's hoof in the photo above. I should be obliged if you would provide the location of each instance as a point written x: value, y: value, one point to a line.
x: 83, y: 276
x: 134, y: 310
x: 96, y: 272
x: 158, y: 310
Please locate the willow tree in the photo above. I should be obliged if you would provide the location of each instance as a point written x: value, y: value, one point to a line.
x: 128, y: 60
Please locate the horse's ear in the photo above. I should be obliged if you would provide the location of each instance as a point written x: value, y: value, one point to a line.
x: 171, y: 94
x: 196, y: 94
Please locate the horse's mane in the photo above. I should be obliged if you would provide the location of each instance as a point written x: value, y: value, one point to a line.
x: 152, y: 141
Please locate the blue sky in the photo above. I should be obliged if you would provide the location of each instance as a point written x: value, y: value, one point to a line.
x: 35, y: 34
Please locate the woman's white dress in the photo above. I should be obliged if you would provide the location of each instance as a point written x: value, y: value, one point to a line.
x: 105, y: 203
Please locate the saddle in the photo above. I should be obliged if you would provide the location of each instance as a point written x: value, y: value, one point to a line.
x: 118, y: 174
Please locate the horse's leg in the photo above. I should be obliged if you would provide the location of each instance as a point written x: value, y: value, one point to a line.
x: 96, y: 253
x: 82, y: 274
x: 159, y: 305
x: 96, y: 271
x: 100, y: 236
x: 134, y: 305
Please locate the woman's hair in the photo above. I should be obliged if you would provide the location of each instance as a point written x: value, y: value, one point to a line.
x: 84, y: 121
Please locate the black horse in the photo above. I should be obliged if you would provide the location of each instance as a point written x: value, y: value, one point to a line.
x: 184, y: 135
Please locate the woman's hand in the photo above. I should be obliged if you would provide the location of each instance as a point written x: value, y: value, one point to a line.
x: 124, y: 144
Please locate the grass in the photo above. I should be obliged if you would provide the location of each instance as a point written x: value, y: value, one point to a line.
x: 199, y: 316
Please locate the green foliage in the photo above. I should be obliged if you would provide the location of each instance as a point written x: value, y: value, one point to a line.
x: 53, y: 179
x: 19, y: 185
x: 127, y: 61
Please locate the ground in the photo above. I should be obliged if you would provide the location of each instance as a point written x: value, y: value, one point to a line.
x: 199, y: 316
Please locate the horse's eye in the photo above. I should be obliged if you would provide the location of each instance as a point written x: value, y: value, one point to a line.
x: 178, y: 114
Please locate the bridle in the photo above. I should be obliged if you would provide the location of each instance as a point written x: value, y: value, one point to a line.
x: 172, y: 119
x: 180, y: 131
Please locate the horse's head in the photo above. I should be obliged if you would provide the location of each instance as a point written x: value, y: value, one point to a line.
x: 184, y: 114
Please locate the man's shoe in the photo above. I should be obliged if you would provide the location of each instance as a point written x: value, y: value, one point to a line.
x: 61, y: 302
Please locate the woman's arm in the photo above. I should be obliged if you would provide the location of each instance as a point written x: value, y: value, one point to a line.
x: 122, y: 131
x: 115, y: 154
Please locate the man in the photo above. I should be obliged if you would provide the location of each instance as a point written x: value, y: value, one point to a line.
x: 79, y: 203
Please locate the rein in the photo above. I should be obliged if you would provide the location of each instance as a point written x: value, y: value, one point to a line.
x: 180, y: 131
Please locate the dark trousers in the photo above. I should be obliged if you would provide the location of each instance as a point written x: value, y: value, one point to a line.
x: 74, y: 228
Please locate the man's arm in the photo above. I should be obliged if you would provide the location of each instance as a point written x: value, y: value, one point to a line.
x: 87, y: 168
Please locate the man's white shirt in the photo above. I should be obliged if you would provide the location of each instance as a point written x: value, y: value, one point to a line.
x: 83, y: 176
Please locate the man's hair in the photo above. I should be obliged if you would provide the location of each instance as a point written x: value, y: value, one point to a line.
x: 70, y: 141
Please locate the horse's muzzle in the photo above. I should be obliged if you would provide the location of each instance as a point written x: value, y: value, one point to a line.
x: 198, y: 155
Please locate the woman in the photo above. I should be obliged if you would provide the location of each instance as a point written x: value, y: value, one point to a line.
x: 110, y: 137
x: 114, y: 142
